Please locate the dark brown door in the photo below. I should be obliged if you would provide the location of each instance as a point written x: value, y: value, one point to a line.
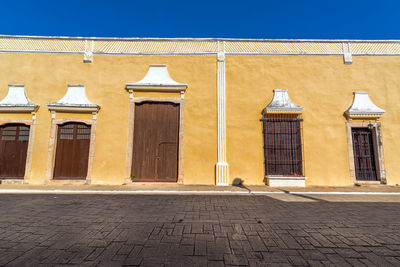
x: 72, y: 152
x: 155, y: 142
x: 364, y: 154
x: 14, y: 140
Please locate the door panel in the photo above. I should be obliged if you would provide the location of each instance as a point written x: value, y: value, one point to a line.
x: 364, y: 156
x: 166, y: 161
x: 155, y: 142
x: 14, y: 140
x: 72, y: 152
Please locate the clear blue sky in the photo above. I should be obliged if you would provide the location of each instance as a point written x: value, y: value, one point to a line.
x: 283, y: 19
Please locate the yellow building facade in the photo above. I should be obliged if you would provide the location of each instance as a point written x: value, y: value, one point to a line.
x: 337, y: 119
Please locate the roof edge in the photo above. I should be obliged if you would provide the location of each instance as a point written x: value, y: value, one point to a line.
x: 194, y: 39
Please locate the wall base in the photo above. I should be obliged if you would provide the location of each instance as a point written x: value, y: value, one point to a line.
x: 277, y: 181
x: 13, y: 181
x: 222, y: 174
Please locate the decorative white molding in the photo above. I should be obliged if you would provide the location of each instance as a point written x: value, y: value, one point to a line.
x: 88, y: 54
x: 88, y: 57
x: 194, y: 46
x: 362, y: 106
x: 75, y: 100
x: 157, y: 79
x: 282, y: 103
x: 277, y: 181
x: 16, y: 100
x: 347, y: 57
x: 221, y: 56
x: 222, y: 167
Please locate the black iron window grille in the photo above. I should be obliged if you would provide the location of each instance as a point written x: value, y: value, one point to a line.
x: 283, y: 146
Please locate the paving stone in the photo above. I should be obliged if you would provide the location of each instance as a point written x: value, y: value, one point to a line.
x: 297, y: 260
x: 196, y: 230
x: 230, y: 259
x: 257, y: 244
x: 200, y: 248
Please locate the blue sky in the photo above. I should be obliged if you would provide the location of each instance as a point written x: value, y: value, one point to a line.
x: 282, y: 19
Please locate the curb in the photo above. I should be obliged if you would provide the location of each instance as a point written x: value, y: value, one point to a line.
x: 181, y: 192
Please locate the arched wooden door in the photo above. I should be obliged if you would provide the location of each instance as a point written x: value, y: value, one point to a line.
x: 14, y: 140
x: 72, y: 151
x: 156, y: 142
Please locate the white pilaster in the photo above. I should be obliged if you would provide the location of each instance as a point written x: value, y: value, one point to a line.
x: 88, y: 54
x: 222, y: 167
x: 347, y: 57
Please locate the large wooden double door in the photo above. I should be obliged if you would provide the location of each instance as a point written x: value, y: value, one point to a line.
x: 72, y: 151
x: 155, y: 142
x: 14, y: 140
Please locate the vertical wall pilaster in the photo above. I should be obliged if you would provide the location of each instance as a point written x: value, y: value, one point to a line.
x: 222, y: 167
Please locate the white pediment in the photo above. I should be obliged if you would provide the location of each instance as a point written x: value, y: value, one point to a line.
x: 157, y: 77
x: 74, y: 99
x: 282, y: 103
x: 363, y: 106
x: 16, y: 100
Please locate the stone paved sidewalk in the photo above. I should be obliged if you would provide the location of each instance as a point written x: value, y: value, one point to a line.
x: 199, y: 230
x: 173, y: 187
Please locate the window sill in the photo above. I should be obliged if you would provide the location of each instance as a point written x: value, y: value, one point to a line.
x: 12, y: 180
x: 290, y: 181
x: 367, y: 182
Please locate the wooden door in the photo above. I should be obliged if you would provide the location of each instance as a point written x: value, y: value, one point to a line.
x: 72, y: 151
x: 364, y: 155
x: 14, y: 140
x: 156, y: 142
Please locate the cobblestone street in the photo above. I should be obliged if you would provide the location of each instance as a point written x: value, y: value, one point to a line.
x: 199, y: 230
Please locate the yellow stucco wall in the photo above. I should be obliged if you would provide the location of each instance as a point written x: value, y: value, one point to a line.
x: 322, y: 85
x: 46, y: 78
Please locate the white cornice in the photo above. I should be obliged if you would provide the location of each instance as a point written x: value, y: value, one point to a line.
x: 363, y: 106
x: 75, y: 100
x: 16, y: 100
x: 157, y: 78
x: 282, y: 103
x: 194, y: 39
x: 195, y: 46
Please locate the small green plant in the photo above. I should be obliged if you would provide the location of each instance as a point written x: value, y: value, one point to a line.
x: 132, y: 177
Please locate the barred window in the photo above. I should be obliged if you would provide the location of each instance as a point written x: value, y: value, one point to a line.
x: 283, y: 144
x: 12, y: 132
x: 71, y: 131
x: 67, y: 131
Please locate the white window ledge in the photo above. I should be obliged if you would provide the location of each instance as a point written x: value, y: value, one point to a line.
x: 290, y: 181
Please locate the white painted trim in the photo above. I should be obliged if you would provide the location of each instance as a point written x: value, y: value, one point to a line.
x: 79, y: 45
x: 157, y: 77
x: 363, y: 106
x: 222, y: 167
x: 230, y: 192
x: 289, y: 181
x: 5, y: 36
x: 190, y: 53
x: 282, y: 103
x: 74, y: 100
x: 16, y: 100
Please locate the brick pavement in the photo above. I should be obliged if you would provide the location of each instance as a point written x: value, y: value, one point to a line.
x: 198, y: 230
x: 4, y: 185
